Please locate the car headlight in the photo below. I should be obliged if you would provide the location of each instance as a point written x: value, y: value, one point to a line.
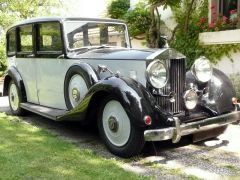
x: 202, y: 69
x: 157, y: 74
x: 190, y: 98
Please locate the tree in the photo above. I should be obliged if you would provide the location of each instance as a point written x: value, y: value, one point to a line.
x: 154, y: 34
x: 138, y: 19
x: 190, y: 17
x: 12, y: 11
x: 118, y: 8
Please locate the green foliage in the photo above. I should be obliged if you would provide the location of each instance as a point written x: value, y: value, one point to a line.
x: 138, y: 20
x: 2, y: 56
x: 142, y: 19
x: 188, y: 42
x: 216, y: 52
x: 118, y: 8
x: 165, y: 3
x: 235, y: 78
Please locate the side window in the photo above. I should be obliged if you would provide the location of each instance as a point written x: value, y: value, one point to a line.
x: 49, y: 38
x: 11, y: 42
x: 26, y: 39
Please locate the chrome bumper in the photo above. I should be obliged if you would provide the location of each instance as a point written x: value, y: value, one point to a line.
x: 175, y: 133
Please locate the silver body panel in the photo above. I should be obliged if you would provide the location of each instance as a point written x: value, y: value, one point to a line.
x: 44, y: 78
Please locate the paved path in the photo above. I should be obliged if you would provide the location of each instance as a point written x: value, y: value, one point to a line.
x: 214, y: 159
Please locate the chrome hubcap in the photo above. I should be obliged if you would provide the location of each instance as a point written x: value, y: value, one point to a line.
x: 13, y: 97
x: 75, y: 94
x: 113, y: 124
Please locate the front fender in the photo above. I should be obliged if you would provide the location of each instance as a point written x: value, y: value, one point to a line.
x: 134, y: 97
x: 220, y: 92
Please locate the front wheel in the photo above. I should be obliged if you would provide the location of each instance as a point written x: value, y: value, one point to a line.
x: 15, y: 98
x: 118, y: 133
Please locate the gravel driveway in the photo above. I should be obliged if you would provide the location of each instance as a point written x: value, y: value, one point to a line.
x: 214, y: 159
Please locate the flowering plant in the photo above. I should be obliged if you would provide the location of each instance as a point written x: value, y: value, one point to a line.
x: 221, y: 22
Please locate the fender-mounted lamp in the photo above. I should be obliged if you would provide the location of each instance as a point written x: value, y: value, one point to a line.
x: 147, y: 120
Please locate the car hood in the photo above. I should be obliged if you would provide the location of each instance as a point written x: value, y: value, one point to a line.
x: 126, y: 54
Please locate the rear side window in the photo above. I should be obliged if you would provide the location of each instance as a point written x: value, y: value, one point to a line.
x: 11, y: 42
x: 49, y: 37
x: 26, y: 38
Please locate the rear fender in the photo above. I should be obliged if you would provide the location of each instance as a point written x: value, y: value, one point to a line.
x: 13, y: 74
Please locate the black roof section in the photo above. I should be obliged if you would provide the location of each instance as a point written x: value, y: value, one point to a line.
x: 60, y: 19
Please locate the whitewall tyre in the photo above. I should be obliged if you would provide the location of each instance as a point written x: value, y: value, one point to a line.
x: 15, y: 98
x: 118, y: 133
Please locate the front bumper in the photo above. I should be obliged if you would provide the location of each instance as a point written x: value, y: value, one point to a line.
x: 175, y: 133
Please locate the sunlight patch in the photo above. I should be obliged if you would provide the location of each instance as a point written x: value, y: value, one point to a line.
x: 213, y: 143
x: 201, y: 173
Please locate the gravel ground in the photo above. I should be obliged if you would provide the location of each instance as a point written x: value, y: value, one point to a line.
x: 214, y: 159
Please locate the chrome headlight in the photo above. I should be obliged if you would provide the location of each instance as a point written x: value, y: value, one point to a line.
x: 190, y: 98
x: 157, y: 74
x: 202, y: 69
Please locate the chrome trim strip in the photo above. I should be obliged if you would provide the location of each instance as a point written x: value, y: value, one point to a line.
x: 167, y: 52
x: 157, y: 53
x: 175, y: 133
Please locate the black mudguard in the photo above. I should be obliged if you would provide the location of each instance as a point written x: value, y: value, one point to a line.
x: 134, y: 97
x: 13, y: 74
x: 220, y: 93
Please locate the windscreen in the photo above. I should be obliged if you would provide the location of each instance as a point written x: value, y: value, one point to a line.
x: 81, y: 34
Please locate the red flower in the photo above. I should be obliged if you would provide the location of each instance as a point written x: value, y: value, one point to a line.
x: 233, y: 11
x: 224, y: 18
x: 211, y: 25
x: 202, y: 20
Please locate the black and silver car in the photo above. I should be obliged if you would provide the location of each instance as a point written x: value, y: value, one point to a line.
x: 81, y: 69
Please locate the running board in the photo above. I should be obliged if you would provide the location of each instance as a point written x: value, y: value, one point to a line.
x: 47, y: 112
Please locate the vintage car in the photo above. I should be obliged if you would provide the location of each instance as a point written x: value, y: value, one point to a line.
x: 81, y: 69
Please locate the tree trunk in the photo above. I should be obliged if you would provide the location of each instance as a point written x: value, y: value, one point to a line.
x: 188, y: 13
x: 152, y: 36
x: 158, y: 28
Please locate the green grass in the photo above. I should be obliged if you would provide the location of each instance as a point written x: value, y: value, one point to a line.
x: 230, y: 167
x: 28, y: 152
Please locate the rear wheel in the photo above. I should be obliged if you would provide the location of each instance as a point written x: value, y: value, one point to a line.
x: 15, y: 98
x: 118, y: 133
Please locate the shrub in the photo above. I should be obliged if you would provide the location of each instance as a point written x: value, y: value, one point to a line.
x: 235, y: 78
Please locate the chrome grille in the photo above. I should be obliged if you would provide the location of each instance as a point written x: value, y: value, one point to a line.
x: 176, y: 84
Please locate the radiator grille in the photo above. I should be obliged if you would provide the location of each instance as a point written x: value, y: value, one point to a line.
x: 176, y: 84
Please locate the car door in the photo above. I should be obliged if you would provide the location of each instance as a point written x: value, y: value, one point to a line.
x: 25, y: 61
x: 51, y: 67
